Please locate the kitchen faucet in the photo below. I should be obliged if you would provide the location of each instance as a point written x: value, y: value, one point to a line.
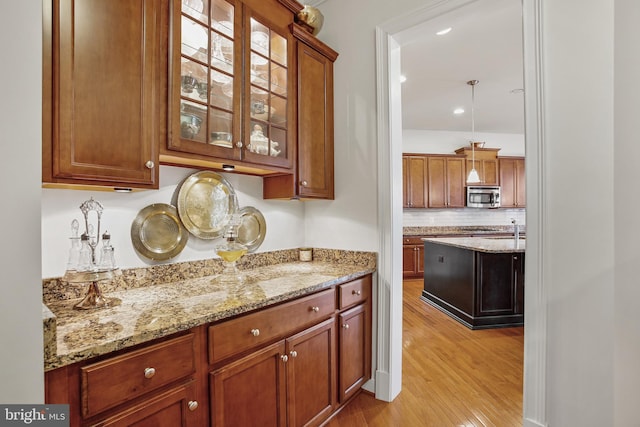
x: 516, y: 231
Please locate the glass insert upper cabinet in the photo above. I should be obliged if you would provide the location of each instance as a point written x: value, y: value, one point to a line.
x: 230, y: 85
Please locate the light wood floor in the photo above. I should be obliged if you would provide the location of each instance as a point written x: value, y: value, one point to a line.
x: 451, y: 375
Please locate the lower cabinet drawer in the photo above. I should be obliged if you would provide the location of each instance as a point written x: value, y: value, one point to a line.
x: 246, y: 332
x: 354, y: 292
x: 114, y: 381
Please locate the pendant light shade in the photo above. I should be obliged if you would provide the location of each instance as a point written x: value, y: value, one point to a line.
x: 473, y: 177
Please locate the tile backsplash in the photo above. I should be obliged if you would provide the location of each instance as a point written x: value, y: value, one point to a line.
x: 464, y: 216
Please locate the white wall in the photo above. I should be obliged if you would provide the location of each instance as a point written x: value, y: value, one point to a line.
x: 284, y: 219
x: 21, y: 357
x: 447, y: 142
x: 579, y: 233
x: 350, y: 221
x: 627, y: 204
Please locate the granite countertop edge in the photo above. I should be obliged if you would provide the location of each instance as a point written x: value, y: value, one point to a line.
x: 142, y: 314
x: 419, y: 231
x: 481, y: 244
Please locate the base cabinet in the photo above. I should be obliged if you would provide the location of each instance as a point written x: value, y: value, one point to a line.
x: 289, y: 383
x: 412, y: 258
x: 290, y: 364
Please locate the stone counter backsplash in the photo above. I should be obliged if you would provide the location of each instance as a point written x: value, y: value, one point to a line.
x: 55, y: 289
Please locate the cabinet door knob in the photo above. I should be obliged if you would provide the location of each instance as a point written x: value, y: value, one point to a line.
x: 149, y: 164
x: 284, y: 358
x: 149, y: 372
x: 303, y: 183
x: 293, y: 353
x: 345, y: 326
x: 255, y: 332
x: 239, y: 144
x: 358, y: 292
x: 315, y: 309
x: 192, y: 405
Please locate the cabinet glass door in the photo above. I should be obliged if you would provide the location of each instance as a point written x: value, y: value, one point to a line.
x: 207, y: 78
x: 268, y: 105
x: 231, y: 81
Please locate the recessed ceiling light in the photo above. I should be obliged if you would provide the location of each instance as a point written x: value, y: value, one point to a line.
x: 458, y: 111
x: 403, y: 78
x: 443, y: 32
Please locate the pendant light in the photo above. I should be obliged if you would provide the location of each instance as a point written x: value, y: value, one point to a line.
x: 473, y: 177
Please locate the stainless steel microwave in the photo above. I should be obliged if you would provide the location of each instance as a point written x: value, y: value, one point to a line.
x: 483, y: 196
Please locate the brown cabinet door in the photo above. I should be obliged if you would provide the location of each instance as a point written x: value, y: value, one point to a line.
x: 170, y: 409
x: 437, y: 182
x: 415, y: 182
x: 315, y: 123
x: 353, y: 351
x: 446, y: 182
x: 108, y: 105
x: 521, y: 199
x: 455, y: 182
x: 420, y: 260
x: 311, y: 375
x: 512, y: 182
x: 251, y: 391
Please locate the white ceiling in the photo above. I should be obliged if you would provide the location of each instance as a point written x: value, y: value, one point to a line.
x: 485, y: 44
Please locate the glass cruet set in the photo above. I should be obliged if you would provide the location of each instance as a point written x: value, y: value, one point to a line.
x: 84, y: 265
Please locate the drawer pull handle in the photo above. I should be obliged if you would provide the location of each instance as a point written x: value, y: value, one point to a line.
x: 358, y: 292
x: 255, y: 332
x: 345, y: 326
x: 149, y: 372
x: 284, y: 358
x: 315, y: 309
x: 293, y: 353
x: 192, y: 405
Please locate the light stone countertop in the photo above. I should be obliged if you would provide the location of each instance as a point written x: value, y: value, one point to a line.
x: 145, y: 313
x: 502, y: 244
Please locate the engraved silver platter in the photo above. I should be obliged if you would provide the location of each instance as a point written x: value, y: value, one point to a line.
x: 157, y: 232
x: 205, y: 201
x: 252, y: 229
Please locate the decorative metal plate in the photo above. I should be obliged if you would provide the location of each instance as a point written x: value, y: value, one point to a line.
x: 157, y: 232
x: 252, y: 229
x: 205, y: 201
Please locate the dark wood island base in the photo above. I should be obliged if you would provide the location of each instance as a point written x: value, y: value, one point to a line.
x: 477, y: 281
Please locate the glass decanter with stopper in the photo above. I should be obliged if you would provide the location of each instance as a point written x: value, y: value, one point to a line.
x: 230, y: 250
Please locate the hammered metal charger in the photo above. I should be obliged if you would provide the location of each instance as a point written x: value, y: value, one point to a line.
x: 205, y: 201
x: 157, y: 232
x: 252, y: 229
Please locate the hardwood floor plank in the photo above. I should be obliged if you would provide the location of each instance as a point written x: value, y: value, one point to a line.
x: 451, y: 375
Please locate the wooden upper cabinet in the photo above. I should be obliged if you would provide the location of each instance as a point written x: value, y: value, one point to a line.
x: 313, y: 175
x: 446, y: 182
x: 486, y: 163
x: 512, y: 182
x: 231, y: 85
x: 414, y: 171
x: 104, y: 102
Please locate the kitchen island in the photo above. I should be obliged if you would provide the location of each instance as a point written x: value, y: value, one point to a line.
x: 478, y: 281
